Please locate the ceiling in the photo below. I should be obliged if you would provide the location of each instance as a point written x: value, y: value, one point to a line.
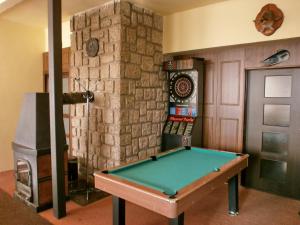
x: 34, y: 12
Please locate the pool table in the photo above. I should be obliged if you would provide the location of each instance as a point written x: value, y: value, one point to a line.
x: 171, y: 182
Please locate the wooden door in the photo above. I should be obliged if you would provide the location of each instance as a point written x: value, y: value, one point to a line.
x: 273, y: 130
x: 224, y: 99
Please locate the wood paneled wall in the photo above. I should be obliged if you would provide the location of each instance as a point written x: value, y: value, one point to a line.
x: 225, y: 82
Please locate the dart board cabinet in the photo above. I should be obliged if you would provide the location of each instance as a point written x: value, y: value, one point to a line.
x: 184, y: 123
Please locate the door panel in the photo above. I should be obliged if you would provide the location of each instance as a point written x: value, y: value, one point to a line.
x: 229, y: 129
x: 272, y: 134
x: 230, y: 100
x: 230, y: 82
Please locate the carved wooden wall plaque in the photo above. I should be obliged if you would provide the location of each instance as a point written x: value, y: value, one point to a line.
x: 269, y: 19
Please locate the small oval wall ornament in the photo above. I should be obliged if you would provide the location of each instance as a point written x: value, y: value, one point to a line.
x: 92, y: 47
x: 269, y: 19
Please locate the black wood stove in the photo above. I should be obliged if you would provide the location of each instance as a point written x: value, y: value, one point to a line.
x: 32, y: 158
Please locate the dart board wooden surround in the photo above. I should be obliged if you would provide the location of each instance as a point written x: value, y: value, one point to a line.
x: 185, y: 103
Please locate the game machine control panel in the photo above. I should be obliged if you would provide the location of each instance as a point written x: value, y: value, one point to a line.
x: 184, y: 123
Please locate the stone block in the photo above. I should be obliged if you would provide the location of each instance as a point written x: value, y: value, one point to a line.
x: 85, y: 60
x: 75, y: 143
x: 131, y: 35
x: 135, y: 58
x: 132, y: 71
x: 142, y: 154
x: 105, y: 22
x: 133, y: 19
x: 128, y: 150
x: 141, y: 45
x: 80, y: 21
x: 143, y: 119
x: 94, y: 61
x: 116, y: 19
x: 124, y: 114
x: 145, y: 79
x: 73, y: 38
x: 114, y: 69
x: 146, y: 129
x: 109, y: 48
x: 151, y: 105
x: 158, y: 22
x: 95, y: 138
x: 107, y: 10
x: 94, y: 72
x: 78, y: 58
x: 134, y: 116
x: 125, y: 8
x: 95, y: 21
x: 152, y: 140
x: 83, y: 72
x: 137, y: 9
x: 156, y: 116
x: 149, y: 115
x: 147, y: 63
x: 108, y: 116
x: 154, y: 81
x: 115, y: 33
x: 136, y: 130
x: 107, y: 58
x: 158, y: 58
x: 149, y: 49
x: 148, y: 21
x: 105, y: 151
x: 143, y: 108
x: 125, y: 139
x: 125, y: 21
x: 139, y: 94
x: 109, y: 86
x: 104, y: 71
x: 141, y: 31
x: 143, y: 143
x: 149, y: 34
x: 109, y: 139
x: 157, y: 37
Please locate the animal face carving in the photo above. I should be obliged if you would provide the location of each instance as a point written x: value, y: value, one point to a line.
x: 269, y: 19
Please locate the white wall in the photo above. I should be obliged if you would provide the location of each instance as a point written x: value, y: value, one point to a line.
x: 21, y: 69
x: 65, y: 33
x: 225, y: 23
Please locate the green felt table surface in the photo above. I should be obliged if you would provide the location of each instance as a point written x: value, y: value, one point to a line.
x: 173, y: 171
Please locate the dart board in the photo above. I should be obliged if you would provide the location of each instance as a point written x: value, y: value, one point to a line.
x: 183, y: 92
x: 182, y: 87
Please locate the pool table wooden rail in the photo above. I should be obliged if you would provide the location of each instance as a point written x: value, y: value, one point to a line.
x: 160, y: 203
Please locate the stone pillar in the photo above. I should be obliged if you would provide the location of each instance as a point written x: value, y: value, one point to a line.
x: 131, y: 97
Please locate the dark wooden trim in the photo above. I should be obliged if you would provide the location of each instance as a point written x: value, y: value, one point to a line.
x: 56, y: 108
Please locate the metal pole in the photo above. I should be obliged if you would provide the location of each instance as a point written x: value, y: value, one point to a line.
x: 56, y: 108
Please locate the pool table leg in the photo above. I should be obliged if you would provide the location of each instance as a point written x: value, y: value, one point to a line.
x: 233, y: 195
x: 118, y: 211
x: 177, y: 221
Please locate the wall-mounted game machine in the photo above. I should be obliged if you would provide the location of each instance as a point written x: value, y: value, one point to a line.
x: 184, y: 123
